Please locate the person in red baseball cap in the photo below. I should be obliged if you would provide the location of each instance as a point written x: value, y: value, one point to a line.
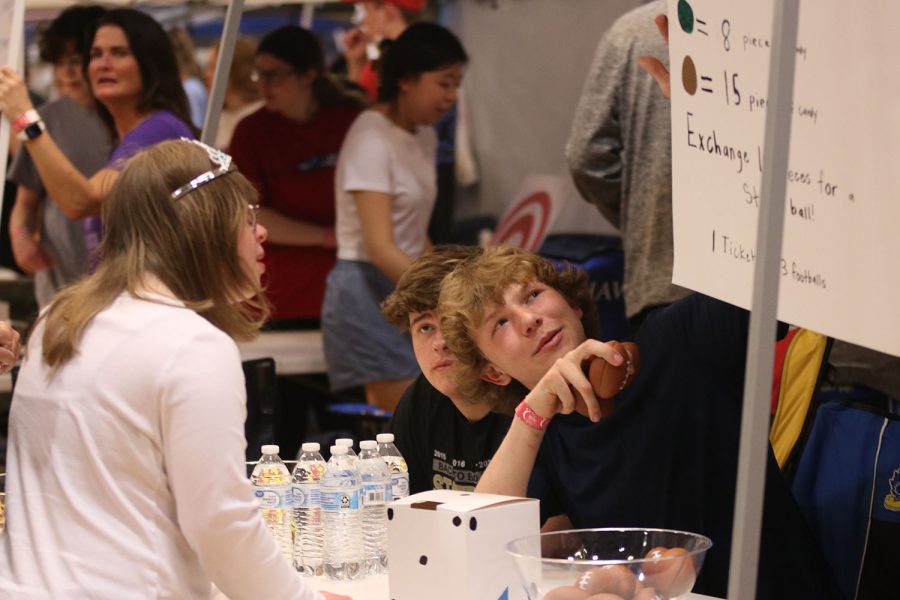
x: 378, y: 20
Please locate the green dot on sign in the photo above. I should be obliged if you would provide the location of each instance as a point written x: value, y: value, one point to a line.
x: 685, y: 16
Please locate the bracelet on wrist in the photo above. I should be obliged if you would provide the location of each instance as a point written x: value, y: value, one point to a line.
x: 25, y: 119
x: 29, y: 125
x: 525, y: 414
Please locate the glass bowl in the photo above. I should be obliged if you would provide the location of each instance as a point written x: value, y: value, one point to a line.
x: 609, y: 564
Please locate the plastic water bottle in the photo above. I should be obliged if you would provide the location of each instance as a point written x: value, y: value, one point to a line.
x: 376, y: 481
x: 309, y: 536
x: 342, y: 510
x: 397, y: 464
x: 272, y: 489
x: 348, y: 444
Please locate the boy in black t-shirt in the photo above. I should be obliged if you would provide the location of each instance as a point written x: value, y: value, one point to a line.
x: 447, y: 441
x: 667, y: 454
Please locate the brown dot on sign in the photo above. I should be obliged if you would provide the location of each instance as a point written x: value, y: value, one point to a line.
x: 689, y: 75
x: 423, y: 560
x: 457, y: 521
x: 473, y: 524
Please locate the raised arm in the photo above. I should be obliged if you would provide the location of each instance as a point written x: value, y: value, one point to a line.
x: 652, y: 65
x: 556, y: 393
x: 354, y: 49
x: 77, y: 195
x: 511, y: 465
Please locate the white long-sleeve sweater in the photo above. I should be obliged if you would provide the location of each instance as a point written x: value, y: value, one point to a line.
x: 125, y: 471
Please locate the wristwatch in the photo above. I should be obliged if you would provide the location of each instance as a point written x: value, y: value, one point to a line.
x: 28, y: 125
x: 31, y: 130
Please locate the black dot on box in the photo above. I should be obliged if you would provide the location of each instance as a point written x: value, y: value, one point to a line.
x: 473, y: 523
x: 457, y: 521
x: 423, y: 560
x: 390, y: 514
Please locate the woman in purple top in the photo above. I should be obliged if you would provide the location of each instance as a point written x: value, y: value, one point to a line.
x: 133, y: 74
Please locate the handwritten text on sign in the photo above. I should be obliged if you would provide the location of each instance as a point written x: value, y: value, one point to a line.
x: 840, y: 264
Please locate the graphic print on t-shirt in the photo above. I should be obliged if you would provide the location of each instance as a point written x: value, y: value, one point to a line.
x: 455, y: 474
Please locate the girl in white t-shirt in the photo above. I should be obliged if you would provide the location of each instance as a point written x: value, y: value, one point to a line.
x: 385, y: 188
x: 125, y: 472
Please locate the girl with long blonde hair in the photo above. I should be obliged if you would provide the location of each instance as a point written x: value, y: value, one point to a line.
x: 125, y: 472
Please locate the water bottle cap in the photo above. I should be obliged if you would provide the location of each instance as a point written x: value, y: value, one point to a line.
x: 339, y: 450
x: 310, y: 447
x: 344, y: 442
x: 270, y: 449
x: 385, y: 438
x: 368, y: 445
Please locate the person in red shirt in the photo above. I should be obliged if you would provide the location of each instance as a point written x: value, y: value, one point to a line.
x: 288, y: 149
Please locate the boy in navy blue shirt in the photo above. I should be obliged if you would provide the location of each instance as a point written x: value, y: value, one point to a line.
x: 665, y: 457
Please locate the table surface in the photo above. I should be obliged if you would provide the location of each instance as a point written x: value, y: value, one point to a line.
x: 295, y: 352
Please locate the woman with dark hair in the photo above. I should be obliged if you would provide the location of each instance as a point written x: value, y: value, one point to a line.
x: 288, y: 149
x: 133, y: 74
x: 126, y: 442
x: 385, y: 190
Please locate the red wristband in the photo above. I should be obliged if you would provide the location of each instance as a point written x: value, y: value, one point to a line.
x: 25, y: 119
x: 531, y: 418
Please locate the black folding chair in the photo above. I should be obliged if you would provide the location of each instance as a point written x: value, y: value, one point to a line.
x: 262, y: 404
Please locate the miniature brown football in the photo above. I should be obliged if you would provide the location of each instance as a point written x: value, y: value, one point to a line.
x: 608, y: 380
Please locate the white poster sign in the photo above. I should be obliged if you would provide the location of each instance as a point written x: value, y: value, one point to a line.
x: 840, y: 265
x: 12, y: 17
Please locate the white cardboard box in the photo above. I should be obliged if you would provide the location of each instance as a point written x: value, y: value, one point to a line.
x: 449, y: 545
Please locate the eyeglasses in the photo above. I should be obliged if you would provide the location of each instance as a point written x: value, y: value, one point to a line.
x: 251, y: 219
x: 259, y: 75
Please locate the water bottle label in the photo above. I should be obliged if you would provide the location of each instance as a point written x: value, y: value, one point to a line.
x: 307, y: 496
x: 400, y: 485
x: 375, y: 494
x: 341, y: 500
x: 270, y: 496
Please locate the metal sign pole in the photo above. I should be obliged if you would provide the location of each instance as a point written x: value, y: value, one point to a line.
x: 307, y: 14
x: 751, y: 474
x: 15, y: 56
x: 223, y: 67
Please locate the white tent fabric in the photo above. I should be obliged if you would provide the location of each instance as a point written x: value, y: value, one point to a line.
x: 528, y: 61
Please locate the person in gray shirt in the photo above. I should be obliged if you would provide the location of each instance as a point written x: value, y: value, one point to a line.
x: 619, y: 155
x: 45, y: 241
